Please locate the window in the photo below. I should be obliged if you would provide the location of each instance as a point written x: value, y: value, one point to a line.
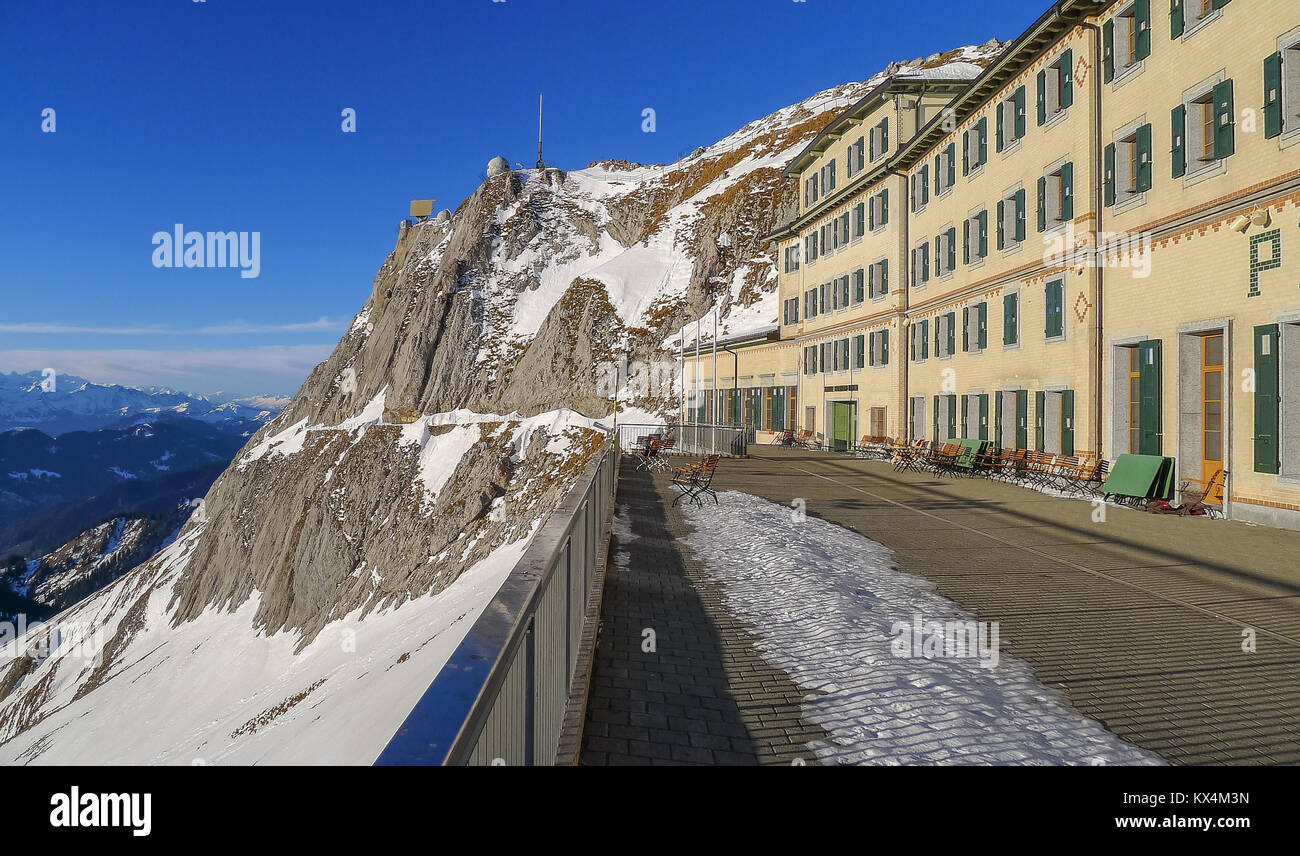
x: 921, y: 264
x: 975, y: 323
x: 790, y: 311
x: 1011, y: 119
x: 916, y: 422
x: 810, y: 191
x: 859, y: 220
x: 828, y: 178
x: 859, y: 352
x: 919, y: 347
x: 810, y: 360
x: 810, y: 247
x: 878, y: 343
x: 1054, y: 303
x: 792, y: 259
x: 1204, y: 131
x: 1011, y: 219
x: 857, y: 156
x: 878, y: 279
x: 1186, y: 16
x: 974, y: 146
x: 945, y: 334
x: 1056, y: 197
x: 921, y: 187
x: 810, y: 300
x: 1128, y: 167
x: 945, y: 252
x: 825, y: 293
x: 1282, y: 92
x: 879, y: 139
x: 1056, y: 88
x: 859, y: 285
x: 1011, y: 319
x: 842, y: 289
x: 1134, y: 401
x: 1126, y: 40
x: 945, y: 169
x: 975, y: 237
x: 878, y: 211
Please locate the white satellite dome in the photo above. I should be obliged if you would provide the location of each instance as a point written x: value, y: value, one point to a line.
x: 497, y: 165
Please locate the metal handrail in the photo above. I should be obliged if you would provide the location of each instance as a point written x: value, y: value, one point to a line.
x: 494, y: 699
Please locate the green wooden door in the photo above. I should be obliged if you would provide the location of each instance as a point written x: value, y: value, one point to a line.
x: 984, y: 417
x: 841, y: 425
x: 1149, y: 439
x: 1067, y: 422
x: 1022, y: 419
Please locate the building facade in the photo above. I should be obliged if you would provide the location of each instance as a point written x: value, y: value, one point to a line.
x: 1079, y: 250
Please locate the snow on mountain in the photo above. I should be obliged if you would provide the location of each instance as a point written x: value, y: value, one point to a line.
x: 337, y: 562
x: 66, y: 403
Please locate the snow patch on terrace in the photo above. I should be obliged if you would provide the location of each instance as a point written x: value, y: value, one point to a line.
x: 823, y: 602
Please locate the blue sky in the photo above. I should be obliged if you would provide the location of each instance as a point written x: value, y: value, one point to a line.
x: 225, y: 115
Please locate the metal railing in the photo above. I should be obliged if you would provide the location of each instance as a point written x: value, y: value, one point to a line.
x: 502, y: 695
x: 692, y: 439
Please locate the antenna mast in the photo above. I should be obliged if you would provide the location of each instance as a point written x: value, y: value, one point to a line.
x: 541, y: 165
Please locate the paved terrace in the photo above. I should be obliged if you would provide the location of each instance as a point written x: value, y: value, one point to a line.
x: 1138, y: 619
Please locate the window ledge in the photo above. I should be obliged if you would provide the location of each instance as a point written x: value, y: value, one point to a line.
x: 1014, y: 346
x: 879, y: 229
x: 1011, y: 147
x: 1192, y: 29
x: 1134, y: 200
x: 1012, y: 249
x: 1054, y: 340
x: 1133, y: 72
x: 1206, y: 171
x: 1056, y: 117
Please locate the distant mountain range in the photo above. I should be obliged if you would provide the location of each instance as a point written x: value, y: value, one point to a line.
x: 65, y: 403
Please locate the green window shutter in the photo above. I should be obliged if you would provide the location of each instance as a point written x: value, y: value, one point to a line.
x: 1000, y: 133
x: 884, y: 276
x: 1144, y: 158
x: 884, y: 347
x: 1042, y: 97
x: 1020, y: 112
x: 1040, y: 410
x: 965, y: 152
x: 1067, y: 191
x: 1225, y: 125
x: 1008, y: 319
x: 1067, y: 79
x: 867, y: 342
x: 965, y: 243
x: 952, y: 164
x: 884, y: 135
x: 984, y: 416
x: 1176, y: 19
x: 983, y: 139
x: 1142, y: 20
x: 938, y: 172
x: 1022, y: 419
x: 871, y: 217
x: 925, y: 342
x: 1055, y: 299
x: 1178, y: 128
x: 861, y: 291
x: 1002, y: 214
x: 952, y: 248
x: 952, y: 416
x: 965, y: 328
x: 1020, y: 214
x: 925, y: 263
x: 1273, y: 120
x: 884, y: 206
x: 925, y: 184
x: 984, y: 233
x: 1267, y: 459
x: 1042, y: 204
x: 982, y: 326
x: 936, y: 418
x: 997, y: 420
x: 1108, y: 51
x: 965, y: 422
x: 1108, y: 197
x: 952, y: 332
x: 1219, y: 4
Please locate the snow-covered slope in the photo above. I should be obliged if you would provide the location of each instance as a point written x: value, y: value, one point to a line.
x: 338, y: 561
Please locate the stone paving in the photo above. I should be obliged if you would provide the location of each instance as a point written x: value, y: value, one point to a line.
x: 1139, y: 619
x: 704, y: 696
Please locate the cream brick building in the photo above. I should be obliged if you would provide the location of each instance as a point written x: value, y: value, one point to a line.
x: 1080, y: 250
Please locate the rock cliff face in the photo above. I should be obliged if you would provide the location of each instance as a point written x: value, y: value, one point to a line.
x: 392, y: 495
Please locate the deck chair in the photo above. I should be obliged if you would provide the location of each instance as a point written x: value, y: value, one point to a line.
x: 1199, y: 491
x: 696, y: 480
